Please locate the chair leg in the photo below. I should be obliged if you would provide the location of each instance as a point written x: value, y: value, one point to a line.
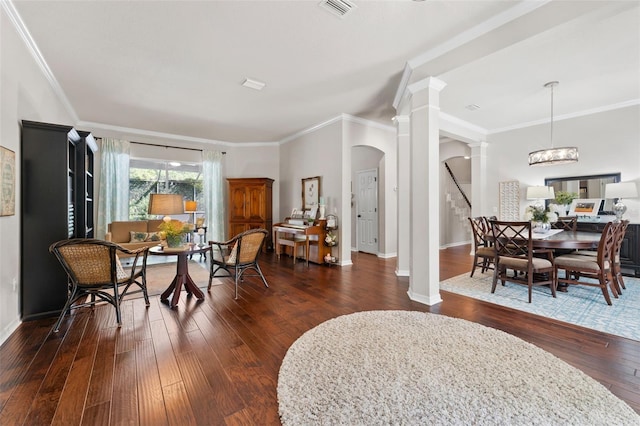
x: 603, y: 287
x: 116, y: 302
x: 236, y: 298
x: 144, y: 289
x: 261, y: 275
x: 475, y: 263
x: 66, y: 308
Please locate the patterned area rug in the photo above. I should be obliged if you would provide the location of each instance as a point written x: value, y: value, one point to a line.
x: 415, y: 368
x: 581, y: 305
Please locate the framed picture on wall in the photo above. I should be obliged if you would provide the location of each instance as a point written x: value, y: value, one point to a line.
x: 7, y: 182
x: 310, y: 192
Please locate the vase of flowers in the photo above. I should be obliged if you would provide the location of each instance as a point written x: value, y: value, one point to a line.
x: 174, y: 232
x: 540, y: 217
x: 564, y: 198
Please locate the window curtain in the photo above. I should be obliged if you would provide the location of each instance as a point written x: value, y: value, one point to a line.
x: 113, y: 193
x: 214, y: 199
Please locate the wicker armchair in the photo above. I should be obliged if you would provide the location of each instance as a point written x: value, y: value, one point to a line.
x: 238, y: 255
x: 93, y: 267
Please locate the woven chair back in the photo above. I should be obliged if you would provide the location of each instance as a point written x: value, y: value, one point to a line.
x: 250, y: 245
x: 90, y: 264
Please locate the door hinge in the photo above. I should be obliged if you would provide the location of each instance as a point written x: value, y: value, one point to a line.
x: 375, y: 240
x: 375, y: 209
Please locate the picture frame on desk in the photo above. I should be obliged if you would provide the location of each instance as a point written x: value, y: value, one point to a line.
x: 310, y: 192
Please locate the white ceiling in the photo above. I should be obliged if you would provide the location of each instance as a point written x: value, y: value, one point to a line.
x: 176, y: 67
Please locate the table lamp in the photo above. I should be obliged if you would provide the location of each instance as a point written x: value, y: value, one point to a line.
x: 620, y: 190
x: 166, y: 204
x: 539, y: 193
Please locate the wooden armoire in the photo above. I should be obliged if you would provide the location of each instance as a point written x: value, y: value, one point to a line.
x: 250, y: 206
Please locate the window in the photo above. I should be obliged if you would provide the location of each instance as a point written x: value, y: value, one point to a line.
x: 147, y: 176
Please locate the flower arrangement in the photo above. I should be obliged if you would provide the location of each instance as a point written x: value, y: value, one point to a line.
x: 540, y: 214
x: 173, y: 231
x: 331, y: 239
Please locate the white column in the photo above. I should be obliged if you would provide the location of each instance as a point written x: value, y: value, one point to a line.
x: 479, y: 179
x: 403, y: 136
x: 424, y: 282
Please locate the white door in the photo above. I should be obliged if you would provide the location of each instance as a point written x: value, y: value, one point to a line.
x: 367, y: 211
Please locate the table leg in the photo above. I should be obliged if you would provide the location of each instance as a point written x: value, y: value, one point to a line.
x: 181, y: 279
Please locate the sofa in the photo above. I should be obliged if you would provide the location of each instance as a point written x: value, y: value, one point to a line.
x: 134, y: 234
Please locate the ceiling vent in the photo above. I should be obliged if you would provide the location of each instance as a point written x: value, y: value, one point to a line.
x: 337, y: 7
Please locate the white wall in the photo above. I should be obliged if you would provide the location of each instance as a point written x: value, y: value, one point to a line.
x: 26, y: 95
x: 608, y: 142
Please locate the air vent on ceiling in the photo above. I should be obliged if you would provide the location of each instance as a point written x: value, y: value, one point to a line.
x: 337, y: 7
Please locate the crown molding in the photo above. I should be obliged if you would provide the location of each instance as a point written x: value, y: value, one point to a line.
x: 24, y: 34
x: 168, y: 136
x: 343, y: 117
x: 605, y: 108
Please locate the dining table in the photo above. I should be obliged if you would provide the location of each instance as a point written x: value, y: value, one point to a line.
x: 562, y: 239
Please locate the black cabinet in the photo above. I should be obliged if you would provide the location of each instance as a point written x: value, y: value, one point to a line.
x: 57, y: 203
x: 630, y: 250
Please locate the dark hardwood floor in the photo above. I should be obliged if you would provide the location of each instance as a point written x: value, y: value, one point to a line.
x: 217, y: 362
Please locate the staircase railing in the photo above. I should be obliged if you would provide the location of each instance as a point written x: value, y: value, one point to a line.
x: 455, y: 181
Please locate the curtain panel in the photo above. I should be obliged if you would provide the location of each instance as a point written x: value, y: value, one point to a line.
x: 113, y: 193
x: 214, y: 199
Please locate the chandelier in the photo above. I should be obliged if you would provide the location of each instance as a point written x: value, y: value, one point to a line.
x: 546, y: 157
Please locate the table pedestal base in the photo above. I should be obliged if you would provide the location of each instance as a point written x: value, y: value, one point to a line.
x: 181, y: 279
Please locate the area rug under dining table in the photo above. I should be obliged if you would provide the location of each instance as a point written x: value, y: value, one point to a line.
x: 417, y: 368
x: 580, y: 305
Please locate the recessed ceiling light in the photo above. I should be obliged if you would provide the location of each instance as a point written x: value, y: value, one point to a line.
x: 253, y: 84
x: 472, y: 107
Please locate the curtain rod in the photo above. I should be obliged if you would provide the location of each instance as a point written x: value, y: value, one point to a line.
x: 168, y: 146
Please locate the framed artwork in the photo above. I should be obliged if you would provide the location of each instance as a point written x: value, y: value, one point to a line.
x: 310, y: 192
x: 585, y: 207
x: 7, y: 182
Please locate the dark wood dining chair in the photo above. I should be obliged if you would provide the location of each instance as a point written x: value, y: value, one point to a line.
x: 577, y: 267
x: 566, y: 223
x: 514, y: 250
x: 237, y: 255
x: 483, y: 251
x: 616, y: 273
x: 94, y: 270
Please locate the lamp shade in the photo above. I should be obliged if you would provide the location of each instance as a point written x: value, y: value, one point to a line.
x: 190, y: 206
x: 540, y: 193
x: 621, y: 190
x: 166, y: 204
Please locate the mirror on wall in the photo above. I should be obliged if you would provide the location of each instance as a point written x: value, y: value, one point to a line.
x: 590, y: 186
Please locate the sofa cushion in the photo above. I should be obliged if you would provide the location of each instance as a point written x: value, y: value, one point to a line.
x: 137, y: 237
x: 120, y: 230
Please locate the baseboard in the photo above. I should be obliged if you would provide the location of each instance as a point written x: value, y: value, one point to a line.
x: 402, y: 273
x: 461, y: 243
x: 387, y: 255
x: 8, y: 330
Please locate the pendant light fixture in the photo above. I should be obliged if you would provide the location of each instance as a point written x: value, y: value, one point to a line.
x: 546, y: 157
